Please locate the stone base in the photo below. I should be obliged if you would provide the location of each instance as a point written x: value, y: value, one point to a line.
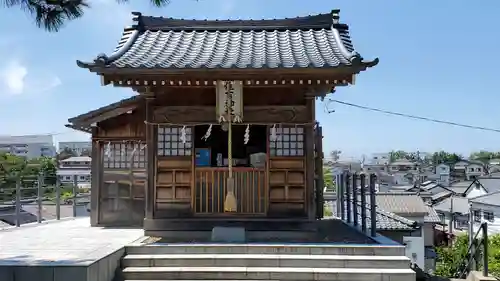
x: 228, y: 234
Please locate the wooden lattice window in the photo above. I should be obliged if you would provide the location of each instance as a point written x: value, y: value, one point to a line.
x: 170, y: 141
x: 121, y: 155
x: 289, y: 141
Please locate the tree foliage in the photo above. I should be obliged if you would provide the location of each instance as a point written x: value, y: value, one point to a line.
x: 484, y: 156
x: 451, y: 259
x: 51, y: 15
x: 328, y: 179
x: 13, y: 168
x: 436, y: 158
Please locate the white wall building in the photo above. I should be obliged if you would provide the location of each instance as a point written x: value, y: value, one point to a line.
x: 77, y: 146
x: 29, y: 146
x: 72, y: 167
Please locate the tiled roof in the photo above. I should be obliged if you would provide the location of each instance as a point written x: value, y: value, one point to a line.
x: 164, y: 43
x: 401, y: 203
x: 385, y: 220
x: 441, y: 195
x: 460, y: 187
x: 432, y: 216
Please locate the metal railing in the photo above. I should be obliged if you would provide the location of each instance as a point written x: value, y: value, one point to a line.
x: 477, y: 253
x: 353, y: 190
x: 40, y: 198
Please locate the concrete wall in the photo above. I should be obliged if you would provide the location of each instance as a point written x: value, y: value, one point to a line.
x: 101, y: 270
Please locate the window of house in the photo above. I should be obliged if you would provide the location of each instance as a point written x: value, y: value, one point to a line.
x: 489, y: 216
x: 289, y: 141
x: 477, y: 215
x: 121, y: 156
x: 479, y: 169
x: 170, y: 141
x: 471, y: 169
x: 82, y: 178
x: 68, y: 178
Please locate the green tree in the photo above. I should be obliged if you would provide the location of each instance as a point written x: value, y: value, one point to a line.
x: 451, y: 259
x: 399, y: 154
x: 445, y: 157
x: 53, y: 14
x: 328, y: 179
x: 484, y: 156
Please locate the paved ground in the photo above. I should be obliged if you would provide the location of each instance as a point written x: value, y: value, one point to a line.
x: 65, y: 242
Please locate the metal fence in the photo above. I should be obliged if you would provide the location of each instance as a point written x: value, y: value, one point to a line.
x: 40, y: 198
x: 352, y: 205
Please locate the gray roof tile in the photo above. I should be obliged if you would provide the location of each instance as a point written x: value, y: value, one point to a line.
x: 304, y: 42
x: 385, y: 220
x: 432, y: 216
x: 407, y: 203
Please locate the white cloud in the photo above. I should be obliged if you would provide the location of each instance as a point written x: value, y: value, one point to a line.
x: 15, y: 79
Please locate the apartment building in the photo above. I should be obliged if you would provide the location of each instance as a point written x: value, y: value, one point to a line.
x: 75, y: 167
x: 77, y: 146
x: 29, y: 146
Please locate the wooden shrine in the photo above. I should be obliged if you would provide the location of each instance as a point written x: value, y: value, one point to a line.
x: 223, y: 124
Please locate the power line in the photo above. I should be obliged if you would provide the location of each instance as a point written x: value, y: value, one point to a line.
x: 412, y: 116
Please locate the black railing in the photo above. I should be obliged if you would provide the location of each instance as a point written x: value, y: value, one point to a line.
x: 478, y: 248
x: 353, y: 210
x: 42, y: 198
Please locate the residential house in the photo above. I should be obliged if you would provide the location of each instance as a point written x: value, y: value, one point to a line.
x: 411, y: 206
x: 380, y: 159
x: 474, y: 170
x: 75, y: 167
x: 486, y: 208
x: 404, y: 171
x: 453, y: 212
x: 443, y: 172
x: 468, y: 170
x: 29, y: 146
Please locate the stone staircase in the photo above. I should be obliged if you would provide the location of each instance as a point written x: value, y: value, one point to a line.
x: 266, y: 262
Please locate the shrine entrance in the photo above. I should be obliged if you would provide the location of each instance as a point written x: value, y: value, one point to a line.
x: 249, y: 169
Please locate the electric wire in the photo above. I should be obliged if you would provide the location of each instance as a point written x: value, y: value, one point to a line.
x: 428, y: 119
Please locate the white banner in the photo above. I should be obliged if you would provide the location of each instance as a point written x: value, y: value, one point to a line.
x: 237, y: 99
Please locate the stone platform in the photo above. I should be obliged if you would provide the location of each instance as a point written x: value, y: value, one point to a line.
x: 63, y: 250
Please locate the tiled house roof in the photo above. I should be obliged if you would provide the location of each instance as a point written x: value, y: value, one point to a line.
x: 317, y: 41
x: 385, y: 220
x: 402, y: 203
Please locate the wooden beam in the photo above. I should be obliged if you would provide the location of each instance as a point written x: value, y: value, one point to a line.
x: 251, y: 114
x: 151, y: 153
x: 309, y: 143
x: 96, y: 180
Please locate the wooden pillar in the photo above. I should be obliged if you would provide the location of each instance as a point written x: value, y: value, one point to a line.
x: 151, y: 152
x: 96, y: 186
x: 309, y: 143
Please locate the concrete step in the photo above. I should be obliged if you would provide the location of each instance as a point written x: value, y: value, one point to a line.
x: 266, y: 260
x: 267, y: 273
x: 300, y: 249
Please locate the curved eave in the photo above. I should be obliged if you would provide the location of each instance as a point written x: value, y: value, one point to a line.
x: 355, y: 68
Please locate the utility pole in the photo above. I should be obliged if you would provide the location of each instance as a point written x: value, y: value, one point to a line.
x: 418, y: 170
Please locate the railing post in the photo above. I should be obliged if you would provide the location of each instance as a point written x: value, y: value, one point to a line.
x: 75, y: 191
x: 348, y: 197
x: 484, y: 227
x: 58, y: 198
x: 355, y: 198
x: 39, y: 198
x: 373, y: 206
x: 18, y: 202
x: 363, y: 202
x: 340, y: 190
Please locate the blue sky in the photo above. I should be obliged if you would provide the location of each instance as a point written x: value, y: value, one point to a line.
x: 437, y: 59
